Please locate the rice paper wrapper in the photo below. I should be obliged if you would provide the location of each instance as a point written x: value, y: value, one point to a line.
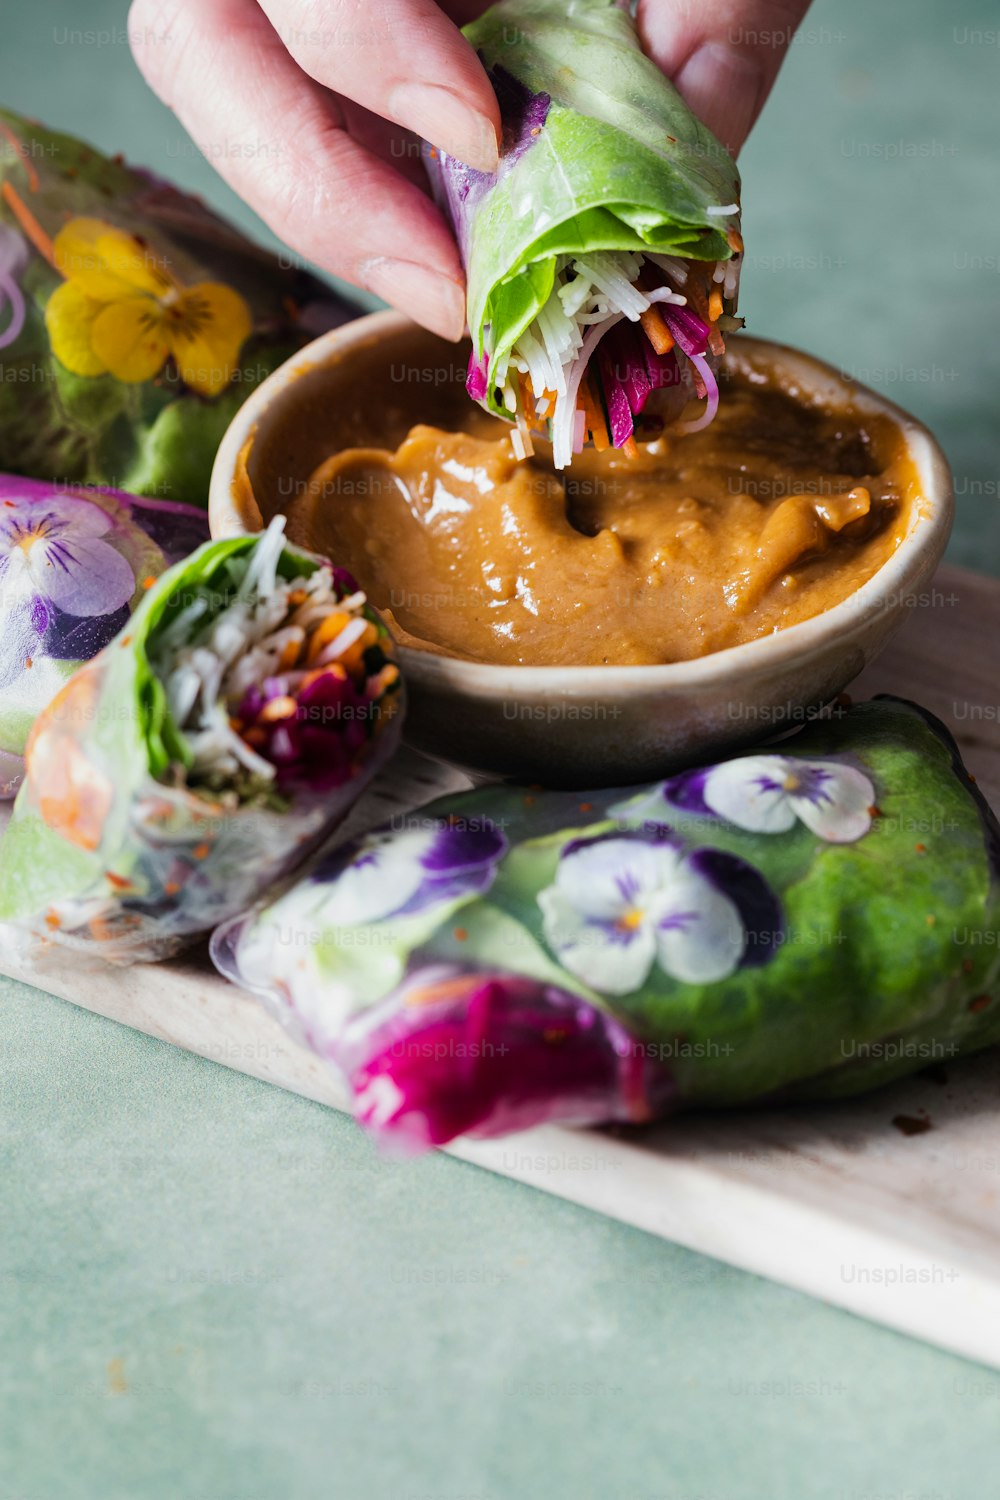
x: 108, y: 854
x: 74, y: 563
x: 800, y: 922
x: 133, y: 321
x: 600, y: 153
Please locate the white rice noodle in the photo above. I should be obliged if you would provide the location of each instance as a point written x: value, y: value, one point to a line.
x: 610, y: 273
x: 591, y: 293
x: 262, y: 572
x: 704, y: 369
x: 352, y: 631
x: 664, y: 294
x: 205, y: 670
x: 562, y: 422
x: 674, y: 268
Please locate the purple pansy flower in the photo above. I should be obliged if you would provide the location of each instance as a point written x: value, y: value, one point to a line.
x: 13, y: 259
x: 769, y: 794
x: 54, y: 554
x: 392, y: 874
x: 622, y: 903
x: 481, y: 1054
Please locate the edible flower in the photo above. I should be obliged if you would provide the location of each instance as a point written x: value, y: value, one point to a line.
x: 770, y: 793
x: 397, y: 874
x: 55, y: 554
x: 122, y: 311
x: 622, y: 903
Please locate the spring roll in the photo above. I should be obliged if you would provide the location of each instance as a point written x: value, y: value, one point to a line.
x: 74, y: 563
x: 804, y: 921
x: 602, y: 258
x: 133, y: 321
x: 211, y: 746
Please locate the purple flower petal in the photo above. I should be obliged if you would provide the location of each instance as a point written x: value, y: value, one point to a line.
x: 70, y: 638
x: 402, y: 871
x: 436, y: 890
x: 649, y: 833
x: 460, y: 846
x: 687, y: 792
x: 758, y: 905
x: 81, y: 575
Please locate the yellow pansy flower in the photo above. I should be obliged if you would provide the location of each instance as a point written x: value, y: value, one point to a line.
x: 121, y: 311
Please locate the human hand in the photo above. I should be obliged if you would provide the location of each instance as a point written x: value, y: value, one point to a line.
x: 313, y: 109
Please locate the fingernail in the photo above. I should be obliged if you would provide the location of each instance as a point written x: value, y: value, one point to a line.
x: 722, y: 86
x: 425, y: 295
x: 445, y: 120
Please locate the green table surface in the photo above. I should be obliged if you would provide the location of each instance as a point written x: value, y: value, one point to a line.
x: 212, y: 1290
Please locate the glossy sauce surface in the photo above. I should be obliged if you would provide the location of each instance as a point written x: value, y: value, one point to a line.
x: 768, y: 517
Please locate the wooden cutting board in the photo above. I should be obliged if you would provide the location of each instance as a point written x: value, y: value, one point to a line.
x: 888, y: 1205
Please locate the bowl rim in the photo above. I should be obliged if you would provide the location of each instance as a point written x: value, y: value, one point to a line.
x: 919, y: 549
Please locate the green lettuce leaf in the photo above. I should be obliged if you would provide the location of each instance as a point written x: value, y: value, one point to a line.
x: 618, y: 163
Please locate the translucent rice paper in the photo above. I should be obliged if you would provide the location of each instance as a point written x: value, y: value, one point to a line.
x: 108, y: 851
x: 804, y: 921
x: 133, y: 321
x: 74, y: 563
x: 600, y: 153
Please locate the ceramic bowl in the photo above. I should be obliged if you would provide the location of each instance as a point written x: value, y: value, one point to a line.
x: 571, y: 726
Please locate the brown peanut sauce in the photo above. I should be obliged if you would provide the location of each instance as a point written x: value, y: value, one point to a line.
x: 772, y: 514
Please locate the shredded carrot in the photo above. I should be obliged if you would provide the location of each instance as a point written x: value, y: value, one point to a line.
x: 628, y: 447
x: 520, y: 438
x: 289, y: 655
x: 716, y: 342
x: 697, y: 296
x: 654, y: 325
x: 594, y: 415
x: 715, y: 305
x: 278, y: 708
x: 735, y: 240
x: 325, y: 633
x: 36, y: 234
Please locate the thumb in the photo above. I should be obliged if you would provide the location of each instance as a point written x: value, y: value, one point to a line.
x: 723, y: 56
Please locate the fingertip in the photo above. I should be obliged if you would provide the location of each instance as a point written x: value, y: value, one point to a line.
x: 430, y: 298
x: 448, y: 122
